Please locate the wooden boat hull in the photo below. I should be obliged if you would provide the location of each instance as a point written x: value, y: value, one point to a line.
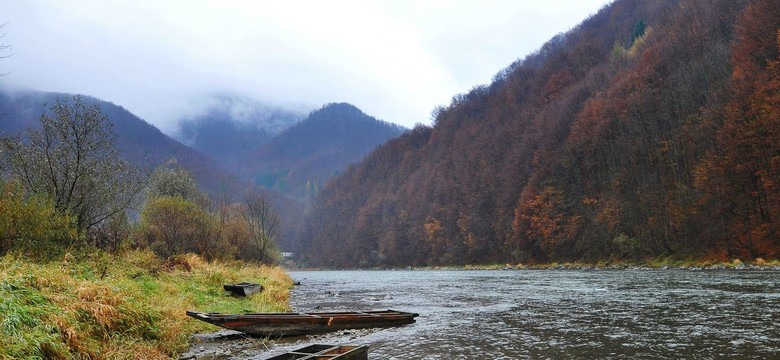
x: 317, y: 352
x: 243, y: 288
x: 296, y: 324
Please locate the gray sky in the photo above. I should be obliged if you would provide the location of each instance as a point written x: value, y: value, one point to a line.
x: 394, y: 59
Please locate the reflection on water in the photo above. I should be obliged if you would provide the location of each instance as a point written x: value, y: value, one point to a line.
x: 549, y: 314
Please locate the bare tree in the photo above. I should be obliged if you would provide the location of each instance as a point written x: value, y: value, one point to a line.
x: 74, y: 160
x: 3, y: 47
x: 263, y: 222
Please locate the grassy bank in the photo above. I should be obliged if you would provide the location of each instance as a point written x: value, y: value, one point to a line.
x: 129, y: 306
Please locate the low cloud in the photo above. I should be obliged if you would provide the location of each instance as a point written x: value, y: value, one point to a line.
x: 395, y: 60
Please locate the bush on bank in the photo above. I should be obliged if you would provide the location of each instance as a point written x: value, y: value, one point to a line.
x: 130, y: 305
x: 30, y: 223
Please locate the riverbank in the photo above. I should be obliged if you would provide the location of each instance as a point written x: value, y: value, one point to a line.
x: 655, y: 264
x: 121, y: 306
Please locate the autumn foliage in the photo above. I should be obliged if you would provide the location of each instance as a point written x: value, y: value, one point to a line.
x: 650, y: 130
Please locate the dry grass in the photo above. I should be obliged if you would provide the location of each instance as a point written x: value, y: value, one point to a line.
x: 130, y: 306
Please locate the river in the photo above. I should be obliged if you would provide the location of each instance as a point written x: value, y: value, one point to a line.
x: 546, y: 314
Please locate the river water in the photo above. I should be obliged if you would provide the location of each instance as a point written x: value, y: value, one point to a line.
x: 547, y: 314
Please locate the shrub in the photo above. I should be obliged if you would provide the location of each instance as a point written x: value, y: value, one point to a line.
x: 30, y: 224
x: 172, y: 225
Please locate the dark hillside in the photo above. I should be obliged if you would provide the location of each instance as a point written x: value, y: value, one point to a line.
x: 303, y: 157
x: 139, y: 142
x: 234, y: 127
x: 649, y: 130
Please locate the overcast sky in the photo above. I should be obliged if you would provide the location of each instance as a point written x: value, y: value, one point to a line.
x: 394, y: 59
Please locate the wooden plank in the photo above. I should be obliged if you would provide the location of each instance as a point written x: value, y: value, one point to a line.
x: 324, y: 352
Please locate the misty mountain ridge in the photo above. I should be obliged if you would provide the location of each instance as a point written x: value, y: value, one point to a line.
x: 139, y: 142
x: 312, y: 151
x: 236, y: 142
x: 308, y: 153
x: 280, y: 148
x: 231, y: 126
x: 246, y: 110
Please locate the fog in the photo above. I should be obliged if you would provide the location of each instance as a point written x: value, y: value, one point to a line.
x: 396, y: 60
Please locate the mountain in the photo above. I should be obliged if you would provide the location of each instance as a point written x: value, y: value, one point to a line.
x: 262, y: 146
x: 306, y: 155
x: 252, y: 143
x: 282, y: 149
x: 139, y: 142
x: 649, y: 130
x: 233, y: 126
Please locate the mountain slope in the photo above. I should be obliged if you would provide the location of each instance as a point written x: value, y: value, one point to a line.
x: 233, y: 127
x: 317, y: 148
x: 139, y: 142
x: 648, y: 130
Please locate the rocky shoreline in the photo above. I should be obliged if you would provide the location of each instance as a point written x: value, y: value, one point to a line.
x: 647, y: 268
x: 758, y: 265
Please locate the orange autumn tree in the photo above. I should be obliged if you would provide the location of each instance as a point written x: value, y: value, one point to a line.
x: 649, y: 130
x: 547, y: 222
x: 739, y: 175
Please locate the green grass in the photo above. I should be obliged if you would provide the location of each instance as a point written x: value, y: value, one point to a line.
x: 100, y: 306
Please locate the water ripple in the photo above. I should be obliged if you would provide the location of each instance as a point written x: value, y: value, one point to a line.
x: 549, y: 314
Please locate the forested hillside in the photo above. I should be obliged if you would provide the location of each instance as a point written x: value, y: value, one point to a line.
x: 139, y: 142
x: 649, y: 130
x: 303, y: 157
x: 292, y: 164
x: 232, y: 127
